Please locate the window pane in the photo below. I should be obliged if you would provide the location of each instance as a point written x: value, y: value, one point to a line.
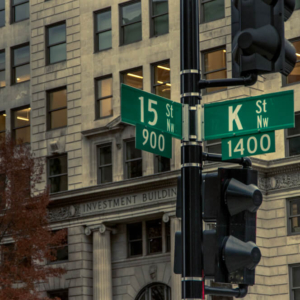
x: 213, y: 10
x: 134, y: 231
x: 104, y: 20
x: 216, y: 75
x: 159, y: 7
x: 58, y: 99
x: 163, y: 90
x: 162, y: 164
x: 132, y: 33
x: 2, y: 79
x: 58, y: 118
x: 134, y: 169
x: 62, y: 253
x: 105, y: 155
x: 22, y: 117
x: 294, y: 146
x: 215, y: 149
x: 2, y: 122
x: 2, y: 60
x: 157, y: 292
x: 2, y: 4
x: 2, y: 18
x: 56, y: 34
x: 131, y: 13
x: 136, y: 248
x: 297, y: 294
x: 17, y: 1
x: 297, y: 6
x: 58, y: 53
x: 105, y: 108
x: 297, y: 47
x: 58, y: 165
x: 63, y: 295
x: 295, y: 207
x: 58, y: 184
x: 134, y: 78
x: 295, y: 224
x: 296, y: 130
x: 22, y: 12
x: 296, y: 277
x: 104, y: 87
x: 161, y: 25
x: 155, y: 245
x: 131, y: 151
x: 106, y: 174
x: 22, y: 135
x: 215, y: 60
x: 104, y: 40
x: 22, y: 73
x: 295, y: 74
x: 21, y: 55
x: 154, y: 228
x: 162, y: 73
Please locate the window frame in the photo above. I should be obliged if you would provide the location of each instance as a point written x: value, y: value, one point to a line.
x: 13, y: 129
x: 48, y: 92
x: 3, y: 70
x: 152, y: 17
x: 56, y: 44
x: 121, y: 26
x: 146, y: 289
x: 156, y: 171
x: 153, y: 66
x: 204, y: 73
x: 138, y: 240
x: 135, y: 159
x: 59, y: 175
x: 53, y: 262
x: 289, y: 217
x: 13, y: 6
x: 284, y: 78
x: 287, y: 137
x: 291, y: 280
x: 202, y: 2
x: 96, y: 33
x: 55, y: 292
x: 122, y: 73
x: 4, y: 14
x: 13, y: 67
x: 97, y: 101
x: 103, y: 166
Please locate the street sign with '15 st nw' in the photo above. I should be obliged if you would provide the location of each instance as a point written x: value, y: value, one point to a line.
x: 251, y: 115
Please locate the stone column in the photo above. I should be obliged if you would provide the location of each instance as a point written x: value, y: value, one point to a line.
x: 176, y: 279
x: 102, y: 276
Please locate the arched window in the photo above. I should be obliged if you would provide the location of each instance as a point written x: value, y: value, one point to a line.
x: 155, y: 291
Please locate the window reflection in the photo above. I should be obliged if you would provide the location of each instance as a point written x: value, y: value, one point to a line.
x: 133, y: 78
x: 21, y: 125
x: 21, y: 64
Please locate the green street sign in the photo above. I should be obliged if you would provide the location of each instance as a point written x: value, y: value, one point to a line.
x: 249, y: 115
x: 155, y: 112
x: 248, y: 145
x: 154, y: 141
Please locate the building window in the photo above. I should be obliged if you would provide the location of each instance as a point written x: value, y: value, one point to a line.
x: 135, y: 239
x: 161, y: 79
x: 104, y: 97
x: 133, y: 77
x: 155, y: 291
x: 103, y: 37
x: 20, y: 64
x: 154, y: 234
x: 58, y: 173
x: 212, y: 10
x: 60, y: 253
x: 61, y: 294
x: 133, y: 160
x: 2, y: 67
x: 56, y: 43
x: 293, y: 213
x: 214, y: 65
x: 159, y: 17
x: 294, y: 271
x: 20, y: 10
x: 293, y: 138
x: 104, y: 164
x: 57, y: 108
x: 214, y: 146
x: 294, y: 76
x: 297, y: 4
x: 2, y: 125
x: 131, y: 22
x: 161, y: 164
x: 2, y: 13
x: 8, y: 255
x: 21, y: 125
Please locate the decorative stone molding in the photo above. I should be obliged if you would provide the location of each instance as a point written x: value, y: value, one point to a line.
x: 166, y: 218
x: 63, y: 213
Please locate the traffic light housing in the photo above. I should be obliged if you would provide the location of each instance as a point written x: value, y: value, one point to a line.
x: 258, y: 42
x: 231, y: 199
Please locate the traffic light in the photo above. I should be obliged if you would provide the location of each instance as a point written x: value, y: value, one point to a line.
x: 258, y: 42
x: 231, y: 199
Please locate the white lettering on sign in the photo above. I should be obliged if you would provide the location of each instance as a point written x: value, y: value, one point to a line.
x: 261, y: 122
x: 151, y: 109
x: 169, y: 113
x: 233, y: 116
x: 169, y: 108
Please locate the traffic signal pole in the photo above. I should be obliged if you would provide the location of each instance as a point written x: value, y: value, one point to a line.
x: 191, y: 154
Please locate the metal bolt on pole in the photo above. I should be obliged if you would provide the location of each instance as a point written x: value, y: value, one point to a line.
x: 191, y: 155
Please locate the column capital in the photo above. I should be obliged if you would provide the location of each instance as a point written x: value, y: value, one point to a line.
x: 102, y: 228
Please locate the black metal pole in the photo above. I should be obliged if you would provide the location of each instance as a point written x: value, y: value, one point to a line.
x: 191, y: 155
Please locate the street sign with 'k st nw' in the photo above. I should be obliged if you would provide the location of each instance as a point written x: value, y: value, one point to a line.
x: 246, y: 116
x: 155, y: 112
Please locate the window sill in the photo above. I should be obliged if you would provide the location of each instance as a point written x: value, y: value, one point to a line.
x: 53, y: 129
x: 58, y: 66
x: 56, y: 262
x: 202, y: 22
x: 103, y: 118
x: 17, y: 83
x: 155, y: 36
x: 289, y: 84
x: 19, y: 21
x: 121, y: 45
x: 103, y: 50
x: 142, y: 257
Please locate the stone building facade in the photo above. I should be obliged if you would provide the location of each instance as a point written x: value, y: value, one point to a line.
x: 61, y: 66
